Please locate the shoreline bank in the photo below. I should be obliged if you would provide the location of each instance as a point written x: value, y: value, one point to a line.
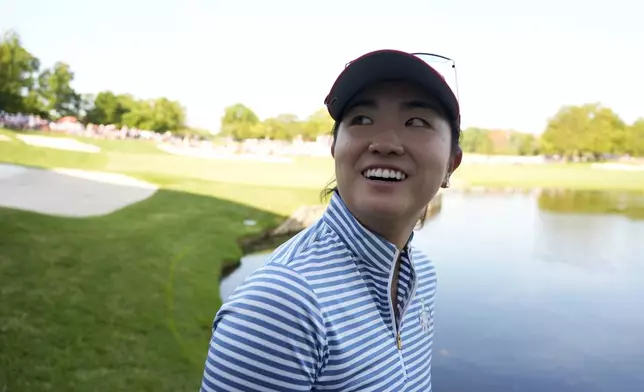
x: 271, y: 237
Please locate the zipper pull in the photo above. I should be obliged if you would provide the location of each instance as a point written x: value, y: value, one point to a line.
x: 399, y: 341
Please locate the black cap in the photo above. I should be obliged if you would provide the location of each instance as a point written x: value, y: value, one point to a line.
x: 389, y: 65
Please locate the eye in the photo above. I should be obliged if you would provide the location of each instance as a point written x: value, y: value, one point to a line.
x: 417, y: 122
x: 361, y: 120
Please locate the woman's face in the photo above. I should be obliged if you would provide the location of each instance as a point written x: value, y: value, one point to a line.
x: 392, y: 153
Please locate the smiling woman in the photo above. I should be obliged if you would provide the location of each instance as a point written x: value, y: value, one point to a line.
x: 347, y: 304
x: 397, y: 128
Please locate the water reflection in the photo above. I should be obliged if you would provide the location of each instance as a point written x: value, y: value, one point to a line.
x: 630, y: 204
x: 534, y: 299
x: 566, y: 234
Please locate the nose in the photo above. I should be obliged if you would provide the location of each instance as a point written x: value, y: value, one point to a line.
x: 387, y: 146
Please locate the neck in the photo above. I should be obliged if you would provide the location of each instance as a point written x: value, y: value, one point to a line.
x: 397, y: 234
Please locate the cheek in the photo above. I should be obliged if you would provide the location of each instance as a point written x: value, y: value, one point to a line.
x: 432, y: 158
x: 346, y: 151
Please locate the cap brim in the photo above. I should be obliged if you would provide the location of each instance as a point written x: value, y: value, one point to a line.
x: 389, y: 65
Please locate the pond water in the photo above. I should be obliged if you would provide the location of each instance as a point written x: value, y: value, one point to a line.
x: 537, y: 292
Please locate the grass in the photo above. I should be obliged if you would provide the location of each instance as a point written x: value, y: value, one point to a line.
x: 142, y: 159
x: 125, y: 301
x: 306, y: 173
x: 579, y: 176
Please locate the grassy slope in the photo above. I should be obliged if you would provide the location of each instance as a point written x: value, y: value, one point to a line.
x: 125, y: 301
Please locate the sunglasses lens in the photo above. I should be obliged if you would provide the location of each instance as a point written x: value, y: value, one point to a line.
x: 444, y: 66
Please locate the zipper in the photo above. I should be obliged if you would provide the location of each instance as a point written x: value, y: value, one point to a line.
x: 394, y: 324
x: 391, y: 302
x: 397, y: 325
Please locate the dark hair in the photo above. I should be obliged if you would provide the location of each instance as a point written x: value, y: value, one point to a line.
x: 456, y: 142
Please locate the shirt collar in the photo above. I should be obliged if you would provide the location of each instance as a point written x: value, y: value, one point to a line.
x: 368, y: 245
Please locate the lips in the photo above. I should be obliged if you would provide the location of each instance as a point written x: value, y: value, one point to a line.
x: 384, y: 174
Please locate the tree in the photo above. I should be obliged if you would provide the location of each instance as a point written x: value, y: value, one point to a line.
x: 238, y: 121
x: 477, y: 140
x: 318, y: 124
x: 86, y: 105
x: 607, y: 133
x: 107, y: 109
x: 634, y: 139
x: 565, y: 131
x: 290, y: 127
x: 162, y: 115
x: 18, y: 76
x: 24, y: 89
x: 157, y: 115
x: 524, y: 143
x: 590, y: 131
x: 271, y: 128
x: 59, y: 98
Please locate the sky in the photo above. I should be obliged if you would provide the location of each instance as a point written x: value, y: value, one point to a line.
x: 518, y: 62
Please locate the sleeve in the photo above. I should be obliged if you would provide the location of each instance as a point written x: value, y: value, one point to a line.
x: 269, y: 336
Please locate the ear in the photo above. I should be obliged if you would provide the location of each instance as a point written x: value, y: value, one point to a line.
x: 456, y: 160
x: 333, y: 148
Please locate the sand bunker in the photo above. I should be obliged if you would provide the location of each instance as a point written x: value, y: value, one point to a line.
x: 209, y: 154
x: 61, y: 143
x: 69, y: 192
x: 5, y: 138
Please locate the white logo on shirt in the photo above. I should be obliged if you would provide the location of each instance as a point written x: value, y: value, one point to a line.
x: 424, y: 316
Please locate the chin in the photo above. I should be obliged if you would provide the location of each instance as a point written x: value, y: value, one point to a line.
x: 383, y: 206
x: 377, y: 202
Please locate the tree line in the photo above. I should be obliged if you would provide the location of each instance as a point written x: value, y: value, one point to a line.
x: 589, y: 131
x: 586, y: 132
x: 26, y: 87
x: 240, y: 122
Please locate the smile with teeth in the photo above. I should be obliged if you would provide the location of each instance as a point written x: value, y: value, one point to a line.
x: 380, y: 174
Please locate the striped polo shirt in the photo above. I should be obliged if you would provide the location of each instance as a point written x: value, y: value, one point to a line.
x: 317, y: 316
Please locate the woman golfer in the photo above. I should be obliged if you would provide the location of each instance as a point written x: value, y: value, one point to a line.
x: 347, y: 304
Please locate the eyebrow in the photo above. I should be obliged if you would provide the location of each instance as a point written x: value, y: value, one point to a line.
x: 408, y: 105
x: 365, y: 103
x: 422, y: 105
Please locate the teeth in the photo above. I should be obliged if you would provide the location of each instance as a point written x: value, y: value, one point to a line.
x: 384, y: 173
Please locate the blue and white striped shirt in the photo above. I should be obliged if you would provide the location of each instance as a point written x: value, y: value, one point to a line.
x: 317, y: 316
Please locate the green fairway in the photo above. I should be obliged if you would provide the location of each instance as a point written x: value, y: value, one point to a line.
x: 142, y: 159
x: 125, y: 301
